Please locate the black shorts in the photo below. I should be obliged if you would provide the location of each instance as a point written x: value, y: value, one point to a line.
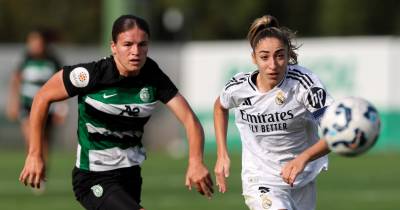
x: 118, y: 189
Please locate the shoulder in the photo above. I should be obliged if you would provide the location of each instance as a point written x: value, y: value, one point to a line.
x: 150, y: 62
x: 24, y: 59
x: 151, y: 67
x: 98, y: 66
x: 310, y: 88
x: 300, y: 75
x: 238, y: 81
x: 238, y: 87
x: 80, y: 75
x: 303, y: 77
x: 153, y: 73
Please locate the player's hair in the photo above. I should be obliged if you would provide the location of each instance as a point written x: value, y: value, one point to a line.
x: 46, y: 34
x: 268, y: 26
x: 126, y: 22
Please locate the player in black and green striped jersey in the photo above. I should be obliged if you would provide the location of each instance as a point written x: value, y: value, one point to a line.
x: 116, y: 97
x: 38, y: 65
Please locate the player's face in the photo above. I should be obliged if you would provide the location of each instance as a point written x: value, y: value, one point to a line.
x: 130, y: 51
x: 36, y: 44
x: 271, y: 58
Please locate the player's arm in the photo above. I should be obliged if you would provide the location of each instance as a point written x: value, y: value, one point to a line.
x: 53, y: 90
x: 221, y: 116
x: 13, y: 106
x: 294, y: 167
x: 315, y: 99
x: 197, y: 173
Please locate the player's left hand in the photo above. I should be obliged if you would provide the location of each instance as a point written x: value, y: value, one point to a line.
x: 198, y: 175
x: 293, y: 168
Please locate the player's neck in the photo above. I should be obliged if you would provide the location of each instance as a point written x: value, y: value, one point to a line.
x: 264, y: 84
x: 123, y: 71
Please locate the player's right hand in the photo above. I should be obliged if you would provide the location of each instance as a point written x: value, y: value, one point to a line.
x: 198, y: 175
x: 221, y: 171
x: 33, y: 171
x: 293, y: 168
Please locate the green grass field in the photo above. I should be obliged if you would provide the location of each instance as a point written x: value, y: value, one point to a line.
x: 369, y: 182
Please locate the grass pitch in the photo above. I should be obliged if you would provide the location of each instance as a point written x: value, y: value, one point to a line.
x: 368, y: 182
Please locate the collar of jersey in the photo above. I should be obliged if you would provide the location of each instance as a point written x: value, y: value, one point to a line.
x: 254, y: 86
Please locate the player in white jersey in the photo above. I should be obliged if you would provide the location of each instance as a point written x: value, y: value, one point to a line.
x: 277, y: 109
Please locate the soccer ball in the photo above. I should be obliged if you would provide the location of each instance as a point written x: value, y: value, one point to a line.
x: 350, y: 126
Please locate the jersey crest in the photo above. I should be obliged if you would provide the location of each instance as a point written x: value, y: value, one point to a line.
x: 280, y: 98
x: 145, y: 95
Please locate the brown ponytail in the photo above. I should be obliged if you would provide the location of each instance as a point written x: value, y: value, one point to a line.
x: 268, y: 26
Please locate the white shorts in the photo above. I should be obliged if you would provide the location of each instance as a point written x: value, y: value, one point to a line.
x: 262, y: 197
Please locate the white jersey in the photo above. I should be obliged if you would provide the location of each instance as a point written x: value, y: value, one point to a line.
x: 277, y: 125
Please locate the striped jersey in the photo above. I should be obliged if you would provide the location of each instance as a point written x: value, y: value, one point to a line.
x: 113, y: 110
x: 277, y: 125
x: 34, y: 73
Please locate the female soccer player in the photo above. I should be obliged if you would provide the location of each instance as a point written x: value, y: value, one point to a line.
x: 277, y: 109
x: 37, y: 67
x: 116, y: 97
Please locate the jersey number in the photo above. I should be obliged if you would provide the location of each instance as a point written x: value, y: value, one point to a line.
x: 131, y: 112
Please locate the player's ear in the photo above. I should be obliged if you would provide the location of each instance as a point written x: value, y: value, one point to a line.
x: 253, y: 57
x: 113, y: 47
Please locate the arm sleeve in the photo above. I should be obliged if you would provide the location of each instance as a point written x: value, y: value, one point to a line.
x: 226, y: 96
x: 316, y: 99
x: 226, y: 100
x: 79, y: 79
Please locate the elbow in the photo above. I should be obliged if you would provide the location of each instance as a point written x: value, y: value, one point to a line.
x: 41, y: 99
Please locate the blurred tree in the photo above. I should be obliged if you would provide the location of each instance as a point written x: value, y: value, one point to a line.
x: 80, y: 21
x: 75, y: 20
x: 358, y: 17
x: 230, y: 19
